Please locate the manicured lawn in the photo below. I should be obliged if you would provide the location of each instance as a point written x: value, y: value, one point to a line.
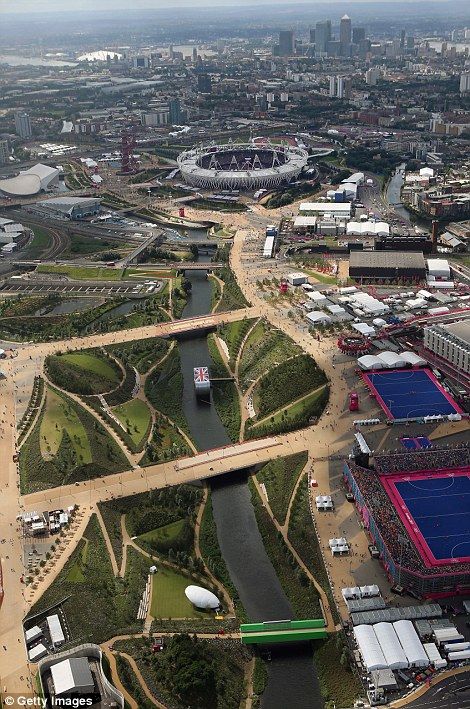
x: 135, y: 416
x: 94, y: 364
x: 168, y: 599
x: 41, y: 241
x: 163, y: 534
x: 321, y: 277
x: 79, y: 273
x: 150, y: 273
x: 59, y: 416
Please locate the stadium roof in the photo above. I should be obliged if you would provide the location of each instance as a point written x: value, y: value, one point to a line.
x: 29, y: 182
x: 387, y: 259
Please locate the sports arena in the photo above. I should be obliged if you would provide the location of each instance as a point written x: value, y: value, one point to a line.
x: 410, y: 394
x: 415, y: 506
x: 241, y: 166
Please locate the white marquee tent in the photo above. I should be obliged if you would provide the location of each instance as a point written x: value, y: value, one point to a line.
x: 411, y: 643
x: 390, y: 646
x: 369, y: 647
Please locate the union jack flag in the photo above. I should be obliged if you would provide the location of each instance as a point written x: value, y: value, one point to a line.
x: 201, y: 374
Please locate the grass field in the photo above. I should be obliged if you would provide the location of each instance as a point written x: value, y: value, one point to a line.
x: 135, y: 416
x: 94, y: 364
x: 42, y: 240
x: 168, y: 599
x: 60, y: 417
x: 163, y: 534
x: 83, y: 273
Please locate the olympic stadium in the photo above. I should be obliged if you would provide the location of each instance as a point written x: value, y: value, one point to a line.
x: 241, y: 166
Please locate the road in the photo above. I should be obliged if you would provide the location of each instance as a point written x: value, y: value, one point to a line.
x: 451, y: 693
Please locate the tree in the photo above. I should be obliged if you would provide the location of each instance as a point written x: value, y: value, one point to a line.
x: 186, y: 286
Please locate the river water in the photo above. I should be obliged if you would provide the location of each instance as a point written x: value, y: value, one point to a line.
x: 393, y: 194
x: 292, y: 681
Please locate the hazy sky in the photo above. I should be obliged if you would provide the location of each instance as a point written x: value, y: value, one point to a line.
x: 22, y: 6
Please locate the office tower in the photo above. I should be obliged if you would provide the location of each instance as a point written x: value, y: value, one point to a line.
x: 363, y: 48
x: 175, y: 111
x: 410, y: 42
x: 343, y: 87
x: 4, y: 152
x: 312, y: 36
x: 465, y: 83
x: 358, y: 34
x: 204, y: 83
x: 322, y: 36
x: 23, y: 125
x: 345, y: 30
x: 333, y: 48
x: 372, y: 76
x: 402, y: 39
x: 332, y: 89
x: 286, y: 43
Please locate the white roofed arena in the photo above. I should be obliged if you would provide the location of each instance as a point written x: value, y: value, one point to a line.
x: 241, y: 166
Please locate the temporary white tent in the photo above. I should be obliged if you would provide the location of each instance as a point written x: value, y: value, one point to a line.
x: 316, y: 317
x: 316, y: 296
x: 390, y: 646
x: 369, y: 647
x: 370, y: 591
x: 368, y: 362
x: 351, y: 593
x: 324, y: 502
x: 411, y: 643
x: 391, y: 360
x: 439, y: 268
x: 364, y: 328
x: 413, y: 359
x: 434, y: 656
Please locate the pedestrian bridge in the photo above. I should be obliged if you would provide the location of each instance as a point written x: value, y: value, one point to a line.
x: 282, y: 631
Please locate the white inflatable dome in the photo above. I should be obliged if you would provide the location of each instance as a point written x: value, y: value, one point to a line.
x: 201, y: 597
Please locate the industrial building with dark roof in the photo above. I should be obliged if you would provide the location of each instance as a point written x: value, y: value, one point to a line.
x: 387, y: 266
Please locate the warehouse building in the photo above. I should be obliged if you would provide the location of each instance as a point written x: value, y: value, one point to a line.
x: 72, y: 208
x: 72, y: 676
x: 451, y: 342
x: 387, y: 267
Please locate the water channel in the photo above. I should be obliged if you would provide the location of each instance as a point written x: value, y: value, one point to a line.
x: 292, y: 681
x: 393, y: 192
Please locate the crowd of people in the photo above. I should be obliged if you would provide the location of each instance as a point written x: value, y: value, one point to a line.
x: 431, y: 459
x: 392, y: 530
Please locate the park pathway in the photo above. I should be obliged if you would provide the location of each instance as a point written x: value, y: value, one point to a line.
x: 116, y: 680
x: 286, y: 407
x: 330, y: 625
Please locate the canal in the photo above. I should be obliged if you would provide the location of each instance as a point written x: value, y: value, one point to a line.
x: 292, y: 681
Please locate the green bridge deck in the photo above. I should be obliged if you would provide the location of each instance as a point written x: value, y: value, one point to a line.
x: 282, y: 631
